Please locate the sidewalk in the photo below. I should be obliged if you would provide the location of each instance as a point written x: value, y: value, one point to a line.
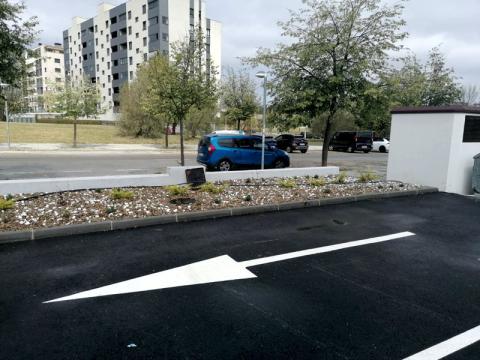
x: 108, y: 148
x: 143, y: 148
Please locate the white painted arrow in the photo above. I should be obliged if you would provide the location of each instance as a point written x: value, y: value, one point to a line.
x: 215, y: 270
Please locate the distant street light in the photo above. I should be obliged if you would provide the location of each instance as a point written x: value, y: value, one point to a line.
x: 263, y: 75
x: 4, y: 86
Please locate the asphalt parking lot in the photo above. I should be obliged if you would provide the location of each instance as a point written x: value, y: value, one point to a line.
x: 326, y: 297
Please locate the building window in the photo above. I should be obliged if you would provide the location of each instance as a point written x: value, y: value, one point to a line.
x: 114, y: 35
x: 108, y: 65
x: 129, y: 15
x: 96, y: 42
x: 96, y: 28
x: 153, y: 37
x: 58, y: 70
x: 131, y: 75
x: 144, y: 41
x: 137, y: 35
x: 165, y: 37
x: 106, y: 24
x: 57, y: 61
x: 130, y: 46
x: 98, y: 67
x: 144, y: 25
x: 164, y: 20
x: 153, y: 20
x: 113, y: 20
x: 152, y: 4
x: 138, y: 51
x: 471, y: 132
x: 144, y: 9
x: 109, y: 78
x: 129, y: 30
x: 122, y: 17
x: 145, y: 57
x: 136, y: 19
x: 96, y: 55
x: 130, y: 60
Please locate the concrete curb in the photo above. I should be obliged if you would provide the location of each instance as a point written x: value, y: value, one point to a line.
x: 83, y: 229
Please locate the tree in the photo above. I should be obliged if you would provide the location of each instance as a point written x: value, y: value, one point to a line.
x: 135, y: 120
x: 238, y: 97
x: 335, y: 47
x: 201, y: 120
x: 74, y: 101
x: 442, y: 87
x: 15, y: 37
x: 470, y: 94
x: 186, y: 82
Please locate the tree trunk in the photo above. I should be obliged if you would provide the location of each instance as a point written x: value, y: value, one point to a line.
x: 174, y: 129
x: 166, y: 136
x: 326, y: 139
x: 182, y: 146
x: 238, y: 125
x: 75, y: 132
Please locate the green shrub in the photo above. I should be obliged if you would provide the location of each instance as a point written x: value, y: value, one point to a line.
x: 248, y: 198
x: 6, y: 204
x: 212, y: 188
x: 287, y: 184
x: 341, y: 178
x: 367, y: 177
x: 119, y: 194
x: 111, y: 210
x: 177, y: 190
x: 327, y: 191
x: 218, y: 201
x: 317, y: 182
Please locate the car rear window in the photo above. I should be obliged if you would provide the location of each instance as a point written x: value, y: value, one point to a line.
x: 365, y: 134
x: 205, y: 141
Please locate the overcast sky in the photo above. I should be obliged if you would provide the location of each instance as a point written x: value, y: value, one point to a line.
x: 249, y: 24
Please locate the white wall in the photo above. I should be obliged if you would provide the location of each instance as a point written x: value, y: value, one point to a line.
x: 420, y: 149
x: 427, y: 149
x: 461, y: 159
x: 216, y: 46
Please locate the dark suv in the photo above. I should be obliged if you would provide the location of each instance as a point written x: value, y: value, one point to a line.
x: 290, y: 143
x: 228, y: 152
x: 352, y: 141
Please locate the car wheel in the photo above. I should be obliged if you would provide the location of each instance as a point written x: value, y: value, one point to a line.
x: 383, y: 149
x: 289, y: 149
x: 366, y: 151
x: 279, y: 164
x: 304, y: 151
x: 350, y: 149
x: 330, y: 148
x: 224, y: 165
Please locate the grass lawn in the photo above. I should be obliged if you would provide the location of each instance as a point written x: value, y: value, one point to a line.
x: 63, y: 134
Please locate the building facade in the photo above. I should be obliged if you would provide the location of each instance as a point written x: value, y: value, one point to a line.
x: 108, y: 48
x: 45, y: 68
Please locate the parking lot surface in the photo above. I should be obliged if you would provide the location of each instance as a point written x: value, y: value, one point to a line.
x: 326, y: 297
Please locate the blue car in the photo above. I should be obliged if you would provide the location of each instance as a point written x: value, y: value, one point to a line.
x: 228, y: 152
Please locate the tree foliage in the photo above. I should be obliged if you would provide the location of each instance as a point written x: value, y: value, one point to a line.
x: 74, y: 101
x: 334, y: 48
x: 178, y: 85
x: 16, y: 35
x: 238, y: 97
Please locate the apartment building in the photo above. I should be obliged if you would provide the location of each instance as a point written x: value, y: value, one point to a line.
x: 108, y: 48
x: 45, y: 67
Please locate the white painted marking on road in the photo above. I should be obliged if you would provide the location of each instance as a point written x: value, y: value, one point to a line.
x: 218, y: 269
x: 222, y: 268
x: 324, y: 249
x: 449, y: 347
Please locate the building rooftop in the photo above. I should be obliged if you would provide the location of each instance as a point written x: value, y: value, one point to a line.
x: 437, y: 109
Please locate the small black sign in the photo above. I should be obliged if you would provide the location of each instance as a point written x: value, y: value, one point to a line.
x: 196, y: 176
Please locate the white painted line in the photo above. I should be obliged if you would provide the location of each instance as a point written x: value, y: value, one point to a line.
x: 218, y: 269
x: 449, y: 347
x: 325, y: 249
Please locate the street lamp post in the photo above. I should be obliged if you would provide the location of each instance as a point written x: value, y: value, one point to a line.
x: 263, y: 75
x: 3, y: 86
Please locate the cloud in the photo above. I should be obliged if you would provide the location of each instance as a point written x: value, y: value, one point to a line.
x: 250, y: 24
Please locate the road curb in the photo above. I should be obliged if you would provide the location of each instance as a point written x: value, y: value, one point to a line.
x: 83, y: 229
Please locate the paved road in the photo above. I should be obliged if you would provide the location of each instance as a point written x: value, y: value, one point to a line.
x: 387, y: 300
x: 35, y: 165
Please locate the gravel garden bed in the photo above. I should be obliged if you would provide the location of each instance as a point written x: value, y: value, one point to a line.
x: 49, y: 210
